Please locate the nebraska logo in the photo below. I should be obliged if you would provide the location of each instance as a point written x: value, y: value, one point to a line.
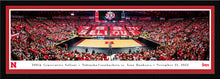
x: 13, y: 64
x: 110, y: 15
x: 205, y: 65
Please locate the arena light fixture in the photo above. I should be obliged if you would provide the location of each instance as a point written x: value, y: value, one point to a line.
x: 72, y: 14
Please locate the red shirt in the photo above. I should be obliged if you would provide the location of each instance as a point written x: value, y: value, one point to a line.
x: 69, y: 55
x: 116, y: 57
x: 203, y: 56
x: 81, y: 59
x: 86, y: 58
x: 46, y: 56
x: 106, y: 59
x: 161, y: 58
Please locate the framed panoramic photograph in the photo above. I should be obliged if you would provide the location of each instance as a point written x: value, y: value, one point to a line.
x: 109, y: 39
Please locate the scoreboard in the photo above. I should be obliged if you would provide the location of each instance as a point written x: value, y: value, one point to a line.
x: 110, y: 16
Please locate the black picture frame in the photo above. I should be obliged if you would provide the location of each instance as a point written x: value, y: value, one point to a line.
x: 128, y: 76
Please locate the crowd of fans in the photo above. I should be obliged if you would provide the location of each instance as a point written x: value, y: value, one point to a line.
x: 36, y: 38
x: 73, y: 22
x: 183, y: 40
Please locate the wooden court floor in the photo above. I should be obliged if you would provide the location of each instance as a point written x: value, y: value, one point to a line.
x: 105, y: 43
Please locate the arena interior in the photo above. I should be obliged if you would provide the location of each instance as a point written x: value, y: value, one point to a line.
x: 109, y: 35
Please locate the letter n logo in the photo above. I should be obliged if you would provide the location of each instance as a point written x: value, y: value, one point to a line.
x: 13, y: 64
